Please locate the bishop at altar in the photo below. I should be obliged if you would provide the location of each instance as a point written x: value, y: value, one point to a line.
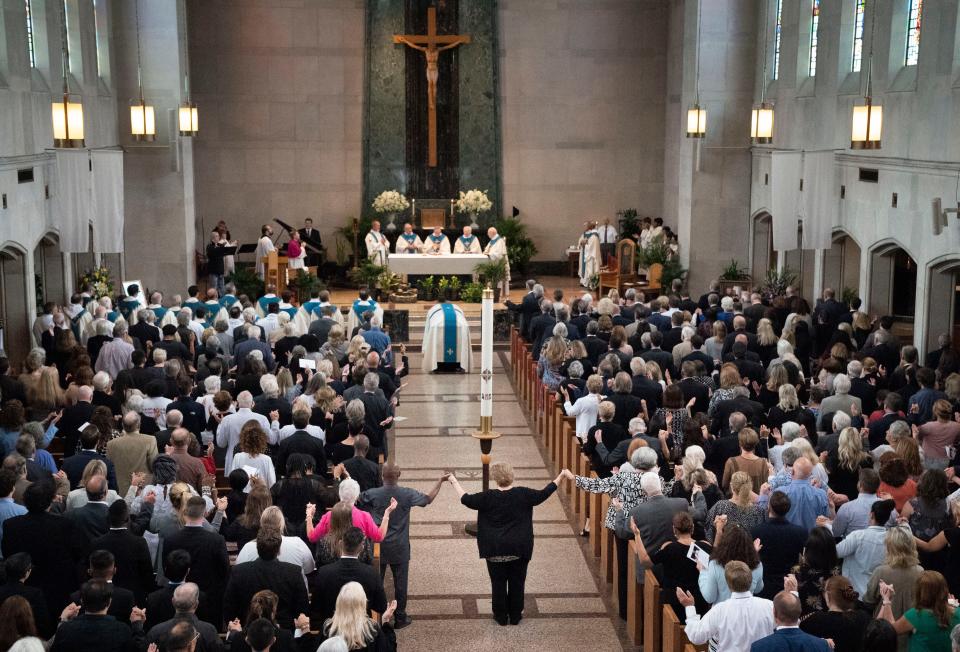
x: 589, y: 254
x: 436, y: 242
x: 408, y: 242
x: 446, y: 340
x: 377, y: 245
x: 467, y: 243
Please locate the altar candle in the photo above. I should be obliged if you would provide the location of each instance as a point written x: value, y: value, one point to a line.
x: 413, y: 208
x: 486, y: 356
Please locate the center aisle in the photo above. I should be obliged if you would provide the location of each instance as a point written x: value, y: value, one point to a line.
x: 449, y: 590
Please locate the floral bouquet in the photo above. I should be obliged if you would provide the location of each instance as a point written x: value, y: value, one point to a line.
x: 390, y: 201
x: 474, y: 201
x: 99, y: 279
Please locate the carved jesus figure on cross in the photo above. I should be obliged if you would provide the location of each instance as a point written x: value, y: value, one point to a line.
x: 432, y: 44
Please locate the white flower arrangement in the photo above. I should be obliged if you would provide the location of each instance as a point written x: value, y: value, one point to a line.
x: 474, y: 201
x: 390, y: 201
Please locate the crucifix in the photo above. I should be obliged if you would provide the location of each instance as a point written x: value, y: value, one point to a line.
x: 431, y: 44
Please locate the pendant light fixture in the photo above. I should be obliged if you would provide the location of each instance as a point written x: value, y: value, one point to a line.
x: 143, y: 125
x: 66, y: 111
x: 761, y: 117
x: 696, y: 114
x: 187, y: 114
x: 867, y: 125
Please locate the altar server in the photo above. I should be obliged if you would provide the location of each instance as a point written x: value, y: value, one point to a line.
x: 496, y: 249
x: 589, y: 254
x: 264, y: 247
x: 446, y: 340
x: 360, y: 306
x: 408, y: 242
x: 436, y: 242
x: 377, y: 245
x: 467, y: 243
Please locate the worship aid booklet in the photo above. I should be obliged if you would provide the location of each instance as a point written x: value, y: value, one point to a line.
x: 696, y: 553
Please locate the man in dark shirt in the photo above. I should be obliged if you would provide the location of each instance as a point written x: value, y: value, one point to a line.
x: 331, y: 578
x: 17, y: 569
x: 194, y: 417
x: 173, y: 348
x: 782, y: 544
x: 365, y: 472
x: 94, y: 629
x: 664, y: 359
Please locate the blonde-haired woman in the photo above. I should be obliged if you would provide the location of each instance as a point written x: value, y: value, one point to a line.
x: 713, y: 346
x: 806, y: 450
x: 729, y: 381
x: 844, y: 464
x: 505, y: 535
x: 336, y: 347
x: 351, y: 622
x: 766, y: 341
x: 740, y: 508
x: 94, y: 468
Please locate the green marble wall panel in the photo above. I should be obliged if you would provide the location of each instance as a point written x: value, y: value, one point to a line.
x: 479, y: 109
x: 384, y: 134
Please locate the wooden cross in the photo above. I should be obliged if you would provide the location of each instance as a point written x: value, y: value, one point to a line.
x: 428, y: 44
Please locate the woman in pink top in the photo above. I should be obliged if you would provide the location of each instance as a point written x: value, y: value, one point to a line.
x: 349, y: 492
x: 935, y: 436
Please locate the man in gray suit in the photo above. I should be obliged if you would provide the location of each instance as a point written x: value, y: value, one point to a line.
x: 654, y: 517
x: 321, y: 327
x: 243, y: 349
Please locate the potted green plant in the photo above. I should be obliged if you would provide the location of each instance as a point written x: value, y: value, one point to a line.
x: 443, y: 287
x: 629, y: 222
x: 367, y: 274
x: 454, y: 288
x: 492, y: 272
x: 734, y: 274
x: 305, y: 284
x: 244, y: 278
x: 775, y: 283
x: 520, y: 248
x: 472, y: 293
x: 427, y: 288
x: 387, y: 283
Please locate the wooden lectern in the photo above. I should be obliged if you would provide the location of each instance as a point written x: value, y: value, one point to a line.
x: 275, y: 273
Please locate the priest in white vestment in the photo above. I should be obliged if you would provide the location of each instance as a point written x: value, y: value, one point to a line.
x: 408, y: 242
x: 496, y: 249
x: 377, y: 245
x: 436, y: 243
x: 446, y: 340
x: 264, y: 247
x: 589, y: 254
x: 361, y: 305
x: 467, y: 243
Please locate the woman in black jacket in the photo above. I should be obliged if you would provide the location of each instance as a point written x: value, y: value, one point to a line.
x: 505, y: 535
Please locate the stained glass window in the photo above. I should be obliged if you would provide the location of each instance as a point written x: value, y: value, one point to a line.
x: 858, y: 36
x: 777, y: 35
x: 814, y: 24
x: 914, y: 15
x: 31, y: 47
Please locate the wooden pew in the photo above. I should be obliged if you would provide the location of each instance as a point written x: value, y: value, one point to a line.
x: 635, y: 598
x: 651, y: 610
x: 597, y: 507
x: 607, y: 545
x: 674, y: 639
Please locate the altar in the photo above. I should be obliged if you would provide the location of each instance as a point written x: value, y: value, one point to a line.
x: 427, y: 264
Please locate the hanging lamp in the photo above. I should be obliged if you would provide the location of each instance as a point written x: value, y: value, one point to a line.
x: 761, y: 116
x: 867, y: 125
x: 66, y: 111
x: 187, y: 113
x: 143, y: 125
x: 697, y: 114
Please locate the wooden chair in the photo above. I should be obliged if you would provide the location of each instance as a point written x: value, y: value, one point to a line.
x: 653, y: 286
x: 622, y: 268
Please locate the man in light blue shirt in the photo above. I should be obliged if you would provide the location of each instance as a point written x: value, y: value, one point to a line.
x: 855, y: 515
x: 806, y: 501
x: 863, y: 550
x: 8, y: 508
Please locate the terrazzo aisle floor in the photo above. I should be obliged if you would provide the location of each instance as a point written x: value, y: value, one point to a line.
x: 449, y: 590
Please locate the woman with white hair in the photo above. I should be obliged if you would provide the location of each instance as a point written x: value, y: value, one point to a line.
x: 351, y: 623
x: 349, y: 491
x: 211, y: 385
